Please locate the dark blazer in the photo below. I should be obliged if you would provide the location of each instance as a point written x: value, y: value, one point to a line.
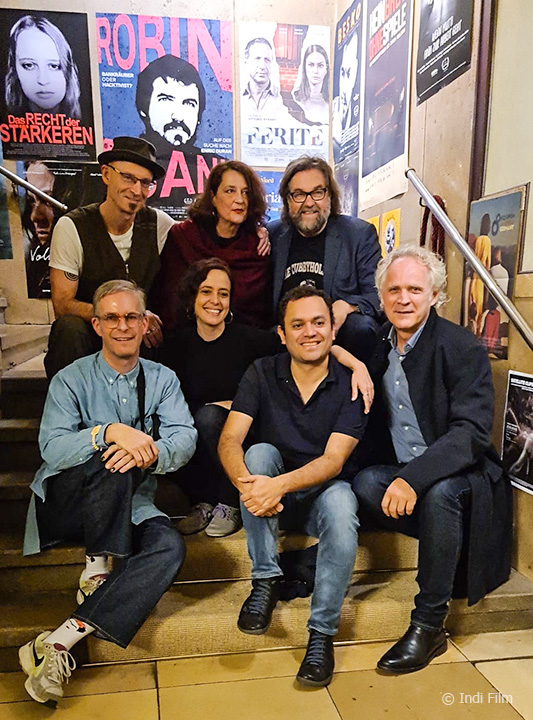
x: 450, y: 384
x: 351, y: 256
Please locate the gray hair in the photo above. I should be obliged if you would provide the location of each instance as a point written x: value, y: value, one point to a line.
x: 111, y: 287
x: 435, y: 267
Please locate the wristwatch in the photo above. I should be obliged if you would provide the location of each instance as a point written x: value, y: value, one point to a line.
x: 94, y: 432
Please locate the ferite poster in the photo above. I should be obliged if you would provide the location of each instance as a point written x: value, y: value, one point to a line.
x: 347, y: 83
x: 444, y: 44
x: 517, y: 453
x: 495, y: 234
x: 45, y: 96
x: 284, y: 92
x: 72, y: 184
x: 385, y: 130
x: 170, y: 81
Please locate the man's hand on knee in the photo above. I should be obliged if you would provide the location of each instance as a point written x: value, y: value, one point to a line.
x: 399, y: 499
x: 141, y: 446
x: 262, y: 495
x: 118, y: 460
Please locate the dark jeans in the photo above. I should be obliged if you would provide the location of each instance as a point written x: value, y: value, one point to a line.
x: 358, y: 335
x: 88, y: 503
x: 71, y: 338
x: 204, y: 479
x: 438, y: 523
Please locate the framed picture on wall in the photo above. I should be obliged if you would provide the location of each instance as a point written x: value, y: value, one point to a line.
x: 495, y: 234
x: 517, y: 446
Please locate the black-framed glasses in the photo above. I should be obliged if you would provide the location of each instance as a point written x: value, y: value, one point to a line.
x: 112, y: 320
x: 300, y: 196
x: 130, y: 179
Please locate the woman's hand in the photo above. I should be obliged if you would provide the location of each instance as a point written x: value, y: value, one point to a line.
x: 263, y: 246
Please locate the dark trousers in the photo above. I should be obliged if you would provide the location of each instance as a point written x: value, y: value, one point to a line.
x: 91, y: 505
x: 358, y: 335
x: 71, y: 338
x: 204, y: 479
x: 438, y: 523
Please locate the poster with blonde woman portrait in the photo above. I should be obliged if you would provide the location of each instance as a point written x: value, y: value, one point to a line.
x: 495, y: 235
x: 46, y: 106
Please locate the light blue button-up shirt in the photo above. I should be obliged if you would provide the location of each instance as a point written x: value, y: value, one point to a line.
x: 405, y: 431
x: 88, y: 393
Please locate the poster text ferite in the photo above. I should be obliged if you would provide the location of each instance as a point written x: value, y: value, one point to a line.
x: 45, y: 92
x: 385, y: 128
x: 169, y: 80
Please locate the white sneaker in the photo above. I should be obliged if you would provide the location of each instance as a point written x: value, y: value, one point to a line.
x: 226, y: 520
x: 46, y: 666
x: 88, y: 585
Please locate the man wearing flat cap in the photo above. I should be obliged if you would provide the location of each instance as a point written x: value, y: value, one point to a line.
x: 119, y: 239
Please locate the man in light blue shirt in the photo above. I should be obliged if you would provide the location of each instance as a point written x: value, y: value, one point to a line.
x: 111, y: 423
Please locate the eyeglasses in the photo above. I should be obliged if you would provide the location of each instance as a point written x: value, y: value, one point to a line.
x: 132, y: 180
x: 112, y: 320
x: 300, y: 196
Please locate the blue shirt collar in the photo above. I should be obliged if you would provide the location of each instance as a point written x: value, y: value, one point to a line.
x: 409, y: 345
x: 112, y: 375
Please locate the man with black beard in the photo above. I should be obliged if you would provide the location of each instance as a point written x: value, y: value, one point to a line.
x: 170, y: 99
x: 314, y: 244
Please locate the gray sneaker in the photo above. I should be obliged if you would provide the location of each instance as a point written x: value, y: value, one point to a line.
x: 197, y: 519
x: 226, y: 520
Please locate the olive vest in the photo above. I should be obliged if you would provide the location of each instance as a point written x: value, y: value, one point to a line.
x: 101, y: 259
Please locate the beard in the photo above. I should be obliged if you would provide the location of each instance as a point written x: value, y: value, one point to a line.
x: 309, y: 225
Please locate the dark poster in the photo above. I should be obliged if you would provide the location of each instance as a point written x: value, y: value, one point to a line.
x: 6, y: 249
x: 347, y: 83
x: 170, y: 81
x: 517, y: 454
x: 444, y: 44
x: 45, y: 98
x: 72, y: 184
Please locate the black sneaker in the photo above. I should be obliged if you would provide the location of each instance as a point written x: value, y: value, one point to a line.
x: 256, y: 612
x: 317, y: 667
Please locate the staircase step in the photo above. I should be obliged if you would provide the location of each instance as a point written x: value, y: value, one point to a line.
x: 18, y: 445
x: 22, y: 397
x: 22, y: 342
x: 15, y: 485
x: 199, y: 619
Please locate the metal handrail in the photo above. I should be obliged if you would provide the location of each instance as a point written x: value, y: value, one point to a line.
x: 460, y: 243
x: 40, y: 194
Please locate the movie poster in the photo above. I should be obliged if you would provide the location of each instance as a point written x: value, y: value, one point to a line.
x: 284, y: 92
x: 271, y: 181
x: 390, y: 231
x: 347, y: 83
x: 385, y: 130
x: 72, y: 184
x: 170, y: 81
x: 494, y: 234
x: 517, y: 453
x: 444, y: 44
x: 45, y: 96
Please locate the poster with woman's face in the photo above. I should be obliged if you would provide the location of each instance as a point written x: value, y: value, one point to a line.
x: 45, y: 93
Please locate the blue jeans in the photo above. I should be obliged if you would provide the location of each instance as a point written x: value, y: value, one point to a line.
x: 328, y: 512
x: 438, y: 523
x: 89, y: 504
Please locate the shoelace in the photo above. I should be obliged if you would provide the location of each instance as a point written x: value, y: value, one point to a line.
x: 61, y: 665
x: 259, y: 599
x: 221, y: 511
x: 316, y: 650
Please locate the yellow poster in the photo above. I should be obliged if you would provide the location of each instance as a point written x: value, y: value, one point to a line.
x: 390, y: 231
x: 375, y: 222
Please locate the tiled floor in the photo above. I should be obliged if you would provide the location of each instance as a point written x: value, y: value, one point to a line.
x: 484, y: 676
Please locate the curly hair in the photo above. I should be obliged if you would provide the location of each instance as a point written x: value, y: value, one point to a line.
x: 16, y: 101
x: 203, y: 211
x: 194, y: 276
x: 435, y: 266
x: 308, y: 162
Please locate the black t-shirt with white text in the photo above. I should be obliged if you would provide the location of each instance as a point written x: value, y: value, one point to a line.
x: 305, y: 264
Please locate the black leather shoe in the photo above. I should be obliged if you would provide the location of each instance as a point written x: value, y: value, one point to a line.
x: 414, y: 650
x: 316, y: 669
x: 256, y: 612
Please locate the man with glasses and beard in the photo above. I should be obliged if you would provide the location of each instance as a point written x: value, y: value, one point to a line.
x: 314, y: 244
x: 120, y: 238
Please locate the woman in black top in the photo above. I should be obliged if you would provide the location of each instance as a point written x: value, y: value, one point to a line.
x: 210, y: 356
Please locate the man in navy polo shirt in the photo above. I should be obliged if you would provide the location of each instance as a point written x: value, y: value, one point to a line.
x: 307, y: 427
